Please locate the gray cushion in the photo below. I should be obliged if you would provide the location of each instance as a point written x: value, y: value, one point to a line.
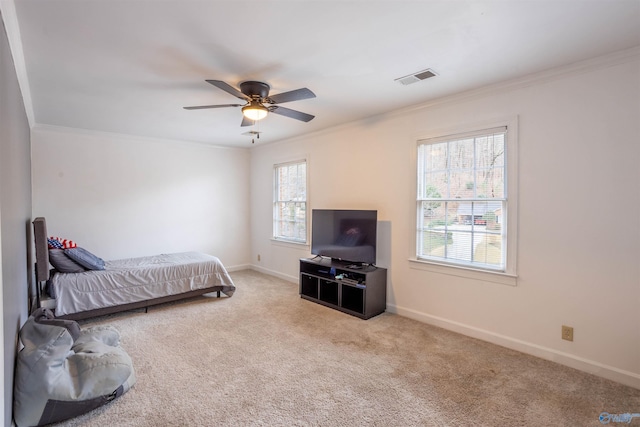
x: 61, y: 262
x: 64, y: 371
x: 85, y: 258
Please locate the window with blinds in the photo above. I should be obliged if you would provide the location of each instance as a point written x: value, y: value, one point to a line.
x: 290, y: 202
x: 462, y: 199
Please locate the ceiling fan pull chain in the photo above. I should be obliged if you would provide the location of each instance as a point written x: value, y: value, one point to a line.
x: 256, y: 94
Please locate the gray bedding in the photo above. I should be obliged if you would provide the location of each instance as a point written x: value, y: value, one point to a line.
x: 138, y: 279
x: 126, y: 284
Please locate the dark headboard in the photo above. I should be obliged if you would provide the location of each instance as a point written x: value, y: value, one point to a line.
x: 42, y: 249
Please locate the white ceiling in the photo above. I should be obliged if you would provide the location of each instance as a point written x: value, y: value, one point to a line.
x: 130, y: 66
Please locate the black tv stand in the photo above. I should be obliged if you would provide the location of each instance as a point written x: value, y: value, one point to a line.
x: 360, y: 291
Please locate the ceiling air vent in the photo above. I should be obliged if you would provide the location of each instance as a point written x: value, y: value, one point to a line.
x: 416, y: 77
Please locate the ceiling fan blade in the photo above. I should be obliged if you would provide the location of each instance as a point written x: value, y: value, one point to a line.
x: 293, y: 95
x: 228, y: 88
x: 200, y: 107
x: 291, y: 113
x: 246, y: 122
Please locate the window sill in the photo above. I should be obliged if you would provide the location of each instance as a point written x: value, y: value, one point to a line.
x: 466, y: 272
x: 290, y: 244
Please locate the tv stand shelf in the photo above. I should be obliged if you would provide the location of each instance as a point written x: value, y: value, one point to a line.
x: 355, y: 290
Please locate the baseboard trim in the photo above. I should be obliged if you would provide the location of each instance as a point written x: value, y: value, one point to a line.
x: 609, y: 372
x: 238, y: 267
x: 293, y: 279
x: 592, y: 367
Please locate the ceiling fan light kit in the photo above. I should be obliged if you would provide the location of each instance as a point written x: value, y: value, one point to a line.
x: 255, y: 111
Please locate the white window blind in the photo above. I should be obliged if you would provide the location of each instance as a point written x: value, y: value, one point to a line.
x: 462, y: 199
x: 290, y: 202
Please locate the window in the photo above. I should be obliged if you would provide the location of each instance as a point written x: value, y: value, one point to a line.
x: 462, y: 203
x: 290, y: 202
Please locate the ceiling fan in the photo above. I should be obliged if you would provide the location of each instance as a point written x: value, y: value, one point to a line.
x: 259, y: 103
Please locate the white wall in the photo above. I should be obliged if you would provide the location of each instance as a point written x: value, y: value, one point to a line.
x: 124, y: 197
x: 579, y: 229
x: 16, y: 268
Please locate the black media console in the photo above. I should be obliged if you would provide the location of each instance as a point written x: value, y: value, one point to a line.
x: 357, y: 290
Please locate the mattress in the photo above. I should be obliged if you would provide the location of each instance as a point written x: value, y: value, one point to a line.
x: 138, y: 279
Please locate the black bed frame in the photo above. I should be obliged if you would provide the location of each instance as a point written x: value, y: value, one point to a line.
x: 42, y: 275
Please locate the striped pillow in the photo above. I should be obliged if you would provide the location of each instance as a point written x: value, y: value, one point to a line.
x: 58, y: 243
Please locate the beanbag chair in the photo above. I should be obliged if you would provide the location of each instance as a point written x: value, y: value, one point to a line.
x: 63, y: 371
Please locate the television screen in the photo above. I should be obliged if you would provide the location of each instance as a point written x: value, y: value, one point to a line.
x: 345, y: 235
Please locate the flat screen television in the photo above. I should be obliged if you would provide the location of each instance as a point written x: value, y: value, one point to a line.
x: 345, y: 235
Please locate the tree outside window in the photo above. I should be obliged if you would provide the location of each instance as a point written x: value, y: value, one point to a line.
x: 462, y: 200
x: 290, y: 202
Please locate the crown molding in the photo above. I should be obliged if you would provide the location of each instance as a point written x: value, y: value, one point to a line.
x: 600, y: 62
x: 125, y: 137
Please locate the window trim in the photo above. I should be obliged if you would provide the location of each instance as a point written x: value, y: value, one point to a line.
x: 508, y: 276
x: 286, y: 240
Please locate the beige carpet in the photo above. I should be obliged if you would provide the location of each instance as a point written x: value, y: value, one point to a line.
x: 265, y: 357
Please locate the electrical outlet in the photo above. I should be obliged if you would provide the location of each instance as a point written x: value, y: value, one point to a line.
x: 567, y: 333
